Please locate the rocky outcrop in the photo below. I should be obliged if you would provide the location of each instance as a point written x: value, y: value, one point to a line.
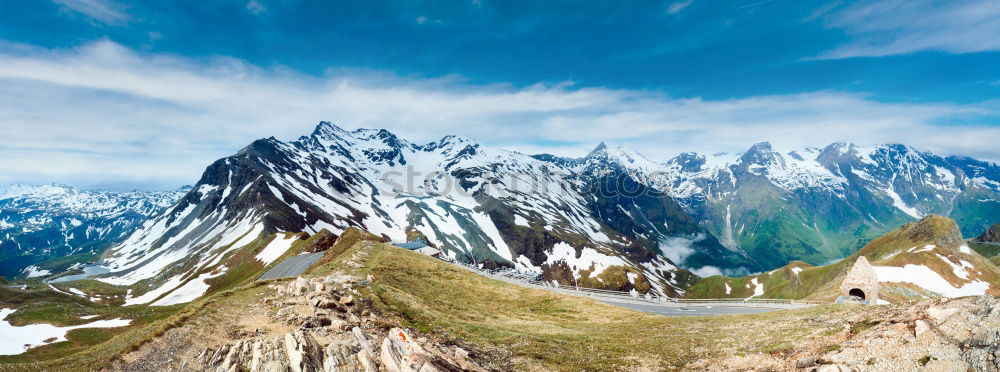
x: 991, y: 235
x: 937, y: 335
x: 335, y: 332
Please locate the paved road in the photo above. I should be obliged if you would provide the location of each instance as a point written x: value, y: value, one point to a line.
x: 292, y: 266
x: 693, y: 310
x: 668, y: 309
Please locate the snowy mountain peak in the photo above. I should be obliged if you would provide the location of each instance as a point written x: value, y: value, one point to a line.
x: 328, y: 130
x: 601, y: 147
x: 762, y: 155
x: 688, y: 162
x: 546, y: 214
x: 620, y: 155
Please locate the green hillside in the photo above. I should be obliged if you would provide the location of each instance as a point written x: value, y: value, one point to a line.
x: 892, y: 249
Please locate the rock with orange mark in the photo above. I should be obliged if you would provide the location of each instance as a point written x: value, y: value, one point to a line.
x: 401, y: 353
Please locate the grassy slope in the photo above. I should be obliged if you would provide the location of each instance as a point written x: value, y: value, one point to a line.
x: 39, y: 304
x: 822, y: 282
x: 542, y: 329
x: 989, y: 250
x: 86, y: 348
x: 93, y: 349
x: 564, y: 332
x: 986, y: 249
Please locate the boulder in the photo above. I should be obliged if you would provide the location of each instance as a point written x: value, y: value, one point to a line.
x: 401, y: 353
x: 939, y: 314
x: 300, y: 286
x: 920, y: 326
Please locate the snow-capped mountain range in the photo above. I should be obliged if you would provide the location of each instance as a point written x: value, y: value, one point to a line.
x: 612, y: 219
x: 817, y: 204
x: 43, y: 222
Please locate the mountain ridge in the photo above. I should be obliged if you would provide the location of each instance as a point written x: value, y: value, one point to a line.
x: 613, y: 219
x: 488, y: 206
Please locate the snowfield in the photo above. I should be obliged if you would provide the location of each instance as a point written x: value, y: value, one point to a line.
x: 276, y: 248
x: 926, y: 278
x: 188, y: 292
x: 17, y: 340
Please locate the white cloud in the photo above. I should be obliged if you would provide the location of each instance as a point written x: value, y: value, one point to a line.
x: 707, y: 271
x: 677, y: 7
x: 421, y: 19
x: 678, y: 249
x: 256, y: 7
x: 103, y: 11
x: 888, y: 27
x: 104, y: 113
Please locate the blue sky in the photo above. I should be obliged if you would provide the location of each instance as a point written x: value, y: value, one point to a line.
x: 145, y: 94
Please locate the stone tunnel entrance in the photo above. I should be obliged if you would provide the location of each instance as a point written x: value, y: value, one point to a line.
x: 856, y: 292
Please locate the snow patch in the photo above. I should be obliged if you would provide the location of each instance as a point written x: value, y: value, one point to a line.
x: 588, y: 257
x: 758, y: 289
x: 153, y: 294
x: 17, y: 340
x: 959, y: 270
x: 518, y: 220
x: 34, y: 272
x: 899, y: 204
x: 893, y: 254
x: 276, y: 248
x: 928, y: 279
x: 189, y: 291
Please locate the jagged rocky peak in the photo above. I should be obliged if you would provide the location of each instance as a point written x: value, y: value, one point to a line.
x: 760, y: 158
x: 598, y: 151
x: 450, y: 145
x: 991, y: 235
x: 688, y: 162
x: 452, y: 140
x: 326, y: 129
x: 899, y: 155
x: 617, y: 155
x: 835, y: 153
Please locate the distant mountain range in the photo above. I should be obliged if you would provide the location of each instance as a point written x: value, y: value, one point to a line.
x: 612, y: 219
x: 44, y: 228
x: 815, y: 204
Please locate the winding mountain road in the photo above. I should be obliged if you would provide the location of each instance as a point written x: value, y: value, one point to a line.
x: 666, y: 308
x: 292, y: 266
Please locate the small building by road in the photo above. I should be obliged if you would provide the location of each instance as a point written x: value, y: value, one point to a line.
x: 861, y: 282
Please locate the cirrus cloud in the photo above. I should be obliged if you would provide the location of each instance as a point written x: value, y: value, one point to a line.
x: 889, y: 27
